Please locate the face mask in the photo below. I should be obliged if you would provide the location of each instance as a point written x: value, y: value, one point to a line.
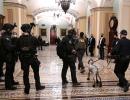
x: 70, y: 35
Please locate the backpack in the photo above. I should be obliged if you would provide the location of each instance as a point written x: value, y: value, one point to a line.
x: 60, y: 50
x: 81, y: 44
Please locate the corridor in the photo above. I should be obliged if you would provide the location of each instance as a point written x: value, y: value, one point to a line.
x: 50, y: 74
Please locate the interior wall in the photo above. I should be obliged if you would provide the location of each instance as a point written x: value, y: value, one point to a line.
x: 124, y: 16
x: 1, y: 7
x: 81, y: 24
x: 15, y: 13
x: 99, y: 20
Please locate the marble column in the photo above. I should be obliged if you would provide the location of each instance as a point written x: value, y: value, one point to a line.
x: 81, y: 24
x: 124, y: 15
x: 1, y: 7
x: 15, y: 13
x: 99, y: 23
x: 1, y: 14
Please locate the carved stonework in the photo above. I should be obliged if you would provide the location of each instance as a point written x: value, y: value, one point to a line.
x: 1, y: 21
x: 12, y: 4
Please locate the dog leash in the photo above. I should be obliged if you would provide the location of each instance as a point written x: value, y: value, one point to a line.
x: 108, y: 61
x: 95, y: 60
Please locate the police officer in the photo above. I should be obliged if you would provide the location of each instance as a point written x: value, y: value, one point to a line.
x: 69, y: 59
x: 1, y: 58
x: 9, y: 51
x: 27, y: 54
x: 122, y: 50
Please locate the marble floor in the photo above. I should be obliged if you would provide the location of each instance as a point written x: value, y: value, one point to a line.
x: 50, y: 74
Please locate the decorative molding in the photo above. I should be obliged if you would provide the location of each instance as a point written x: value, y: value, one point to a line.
x: 12, y: 4
x: 102, y: 9
x: 2, y: 16
x: 10, y: 15
x: 30, y: 15
x: 70, y: 11
x: 82, y: 17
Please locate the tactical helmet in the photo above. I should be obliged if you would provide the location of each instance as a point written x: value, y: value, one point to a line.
x: 26, y: 27
x: 70, y: 33
x: 123, y: 32
x: 81, y: 34
x: 8, y: 27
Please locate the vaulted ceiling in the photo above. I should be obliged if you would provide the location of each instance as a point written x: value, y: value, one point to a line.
x: 48, y: 12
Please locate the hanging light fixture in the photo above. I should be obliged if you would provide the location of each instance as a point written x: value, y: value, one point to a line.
x: 65, y: 4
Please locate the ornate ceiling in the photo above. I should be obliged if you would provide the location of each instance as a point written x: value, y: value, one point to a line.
x: 48, y: 11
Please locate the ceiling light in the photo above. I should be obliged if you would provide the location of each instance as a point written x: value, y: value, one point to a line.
x: 65, y: 4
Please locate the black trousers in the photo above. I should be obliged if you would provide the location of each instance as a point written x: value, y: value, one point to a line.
x: 40, y: 47
x: 120, y: 69
x: 101, y: 52
x: 86, y: 51
x: 80, y: 58
x: 91, y: 49
x: 1, y: 67
x: 72, y: 66
x: 25, y: 64
x: 9, y: 78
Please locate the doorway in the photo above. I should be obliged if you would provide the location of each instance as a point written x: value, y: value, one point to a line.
x: 53, y: 34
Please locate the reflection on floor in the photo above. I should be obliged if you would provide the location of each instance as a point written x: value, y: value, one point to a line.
x: 50, y: 72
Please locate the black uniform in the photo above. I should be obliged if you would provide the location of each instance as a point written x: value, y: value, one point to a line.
x: 69, y: 59
x: 114, y: 42
x: 15, y: 53
x: 101, y: 47
x: 86, y: 46
x: 27, y: 54
x: 122, y: 50
x: 40, y: 43
x: 57, y: 40
x: 91, y: 45
x: 9, y: 51
x: 2, y: 56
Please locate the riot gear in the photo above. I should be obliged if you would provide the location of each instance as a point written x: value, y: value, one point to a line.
x: 9, y: 58
x: 26, y: 28
x: 69, y: 59
x: 27, y: 55
x: 9, y: 27
x: 122, y: 51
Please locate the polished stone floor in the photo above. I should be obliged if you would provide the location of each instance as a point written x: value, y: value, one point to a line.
x: 50, y: 73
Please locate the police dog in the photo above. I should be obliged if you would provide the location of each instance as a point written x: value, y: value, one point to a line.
x: 93, y: 69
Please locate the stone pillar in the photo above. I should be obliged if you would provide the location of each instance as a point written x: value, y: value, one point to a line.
x: 58, y: 32
x: 1, y: 7
x: 1, y: 14
x: 48, y: 34
x: 124, y: 16
x: 15, y: 13
x: 81, y: 24
x: 99, y: 23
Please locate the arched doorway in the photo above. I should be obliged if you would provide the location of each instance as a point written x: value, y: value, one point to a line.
x: 53, y: 34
